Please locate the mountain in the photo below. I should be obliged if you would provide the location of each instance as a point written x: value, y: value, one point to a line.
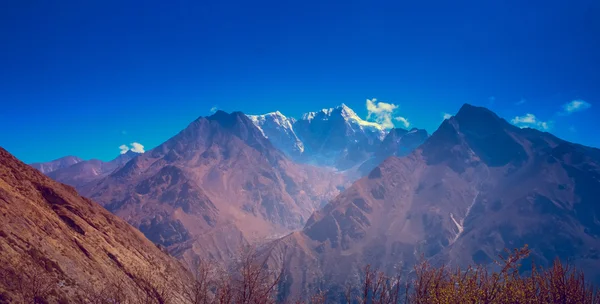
x: 57, y: 164
x: 476, y: 186
x: 335, y: 137
x: 217, y: 185
x: 280, y: 131
x: 84, y: 172
x: 398, y: 142
x: 59, y: 246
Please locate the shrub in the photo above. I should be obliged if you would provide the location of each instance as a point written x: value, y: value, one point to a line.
x: 475, y: 284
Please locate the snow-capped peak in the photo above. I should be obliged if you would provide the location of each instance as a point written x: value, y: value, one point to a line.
x: 352, y: 117
x: 276, y: 117
x: 273, y: 118
x: 279, y: 129
x: 346, y: 110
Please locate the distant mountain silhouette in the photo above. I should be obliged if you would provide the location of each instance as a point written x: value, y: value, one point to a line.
x: 56, y: 164
x: 86, y: 171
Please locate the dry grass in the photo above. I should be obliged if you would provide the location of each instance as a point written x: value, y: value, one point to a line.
x: 250, y: 281
x: 557, y: 284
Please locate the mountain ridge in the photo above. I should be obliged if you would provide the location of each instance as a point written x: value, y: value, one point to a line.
x: 59, y: 163
x: 332, y: 137
x: 455, y: 199
x: 217, y: 184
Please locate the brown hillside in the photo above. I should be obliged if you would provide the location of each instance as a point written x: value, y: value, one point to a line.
x: 56, y: 244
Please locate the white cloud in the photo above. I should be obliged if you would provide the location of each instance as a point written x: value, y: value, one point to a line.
x: 403, y: 121
x: 520, y: 102
x: 572, y: 129
x: 491, y: 100
x: 382, y: 113
x: 577, y: 105
x: 213, y: 109
x: 137, y: 147
x: 446, y: 116
x: 124, y: 149
x: 133, y: 147
x: 525, y: 119
x: 530, y: 121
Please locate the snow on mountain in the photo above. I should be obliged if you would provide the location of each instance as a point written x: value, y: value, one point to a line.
x: 280, y: 131
x: 335, y: 137
x: 349, y: 116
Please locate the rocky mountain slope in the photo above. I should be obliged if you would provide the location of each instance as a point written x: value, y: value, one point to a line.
x: 334, y: 138
x: 57, y: 245
x: 476, y: 186
x: 213, y: 187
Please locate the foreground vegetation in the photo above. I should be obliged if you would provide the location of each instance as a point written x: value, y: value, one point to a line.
x: 251, y: 282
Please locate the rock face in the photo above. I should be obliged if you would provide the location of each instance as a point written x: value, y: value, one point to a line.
x: 57, y: 164
x: 213, y: 187
x: 476, y: 186
x: 66, y: 246
x: 336, y: 137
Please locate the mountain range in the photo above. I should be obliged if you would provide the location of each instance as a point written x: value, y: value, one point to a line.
x: 57, y: 164
x: 229, y: 180
x: 477, y: 185
x: 335, y: 137
x: 84, y: 171
x: 217, y: 185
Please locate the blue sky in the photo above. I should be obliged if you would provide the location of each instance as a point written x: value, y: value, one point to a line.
x: 84, y: 77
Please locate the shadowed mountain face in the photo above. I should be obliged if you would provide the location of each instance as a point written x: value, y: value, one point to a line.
x: 213, y: 187
x: 57, y: 164
x: 476, y: 186
x: 398, y: 142
x: 58, y: 242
